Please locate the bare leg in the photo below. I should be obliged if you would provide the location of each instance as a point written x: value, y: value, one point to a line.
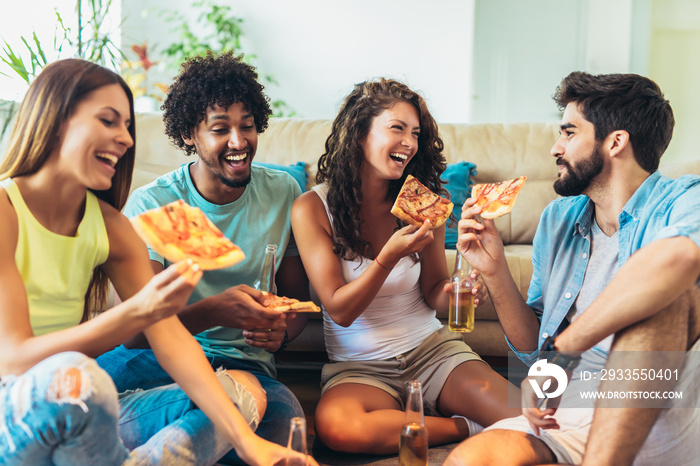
x: 618, y: 434
x: 509, y: 447
x: 476, y: 391
x: 359, y: 418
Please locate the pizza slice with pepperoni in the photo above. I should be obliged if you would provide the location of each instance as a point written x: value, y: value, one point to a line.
x: 178, y: 231
x: 497, y: 199
x: 416, y: 203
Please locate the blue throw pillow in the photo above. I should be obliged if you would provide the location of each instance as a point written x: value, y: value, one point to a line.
x: 459, y: 184
x: 297, y: 170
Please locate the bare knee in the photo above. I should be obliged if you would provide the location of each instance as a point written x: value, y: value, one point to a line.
x: 486, y: 448
x: 464, y: 454
x: 251, y: 383
x: 674, y: 328
x: 693, y: 298
x: 341, y: 433
x: 476, y: 450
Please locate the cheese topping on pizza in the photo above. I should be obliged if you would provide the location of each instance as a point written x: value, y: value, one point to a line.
x: 179, y: 231
x: 415, y: 203
x: 497, y: 199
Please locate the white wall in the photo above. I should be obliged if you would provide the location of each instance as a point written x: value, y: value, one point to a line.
x: 524, y: 49
x: 674, y: 63
x: 473, y: 60
x: 317, y: 49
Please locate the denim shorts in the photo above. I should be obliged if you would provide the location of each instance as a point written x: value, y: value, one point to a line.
x: 431, y: 362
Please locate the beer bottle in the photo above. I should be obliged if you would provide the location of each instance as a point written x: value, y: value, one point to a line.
x: 461, y: 307
x: 266, y: 280
x: 297, y: 442
x: 413, y: 442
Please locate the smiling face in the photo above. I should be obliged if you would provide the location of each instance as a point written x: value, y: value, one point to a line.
x: 392, y: 141
x: 225, y: 141
x: 580, y: 158
x: 95, y: 137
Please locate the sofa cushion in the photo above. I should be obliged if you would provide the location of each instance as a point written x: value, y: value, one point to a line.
x: 458, y: 182
x: 297, y: 170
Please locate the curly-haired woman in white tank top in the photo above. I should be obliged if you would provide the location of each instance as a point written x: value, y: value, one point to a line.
x: 381, y: 281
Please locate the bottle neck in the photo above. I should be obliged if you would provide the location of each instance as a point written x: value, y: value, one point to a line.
x: 414, y: 404
x: 461, y: 265
x: 266, y: 280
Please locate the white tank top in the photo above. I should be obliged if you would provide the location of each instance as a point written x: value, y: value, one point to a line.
x: 397, y: 320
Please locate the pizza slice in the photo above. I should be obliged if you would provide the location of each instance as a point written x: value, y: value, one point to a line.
x: 284, y: 304
x: 178, y: 231
x: 415, y: 203
x: 497, y: 198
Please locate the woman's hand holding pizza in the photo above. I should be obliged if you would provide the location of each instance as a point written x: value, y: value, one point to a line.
x: 479, y: 242
x: 167, y: 292
x: 406, y: 241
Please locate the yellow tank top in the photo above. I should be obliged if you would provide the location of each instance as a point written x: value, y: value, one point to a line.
x: 56, y: 269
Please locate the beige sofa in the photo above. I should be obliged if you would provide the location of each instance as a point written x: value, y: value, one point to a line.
x: 499, y: 151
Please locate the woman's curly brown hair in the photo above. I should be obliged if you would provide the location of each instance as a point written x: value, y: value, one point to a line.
x: 340, y: 165
x: 204, y: 81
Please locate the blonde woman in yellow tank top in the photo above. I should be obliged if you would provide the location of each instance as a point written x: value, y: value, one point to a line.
x: 65, y: 177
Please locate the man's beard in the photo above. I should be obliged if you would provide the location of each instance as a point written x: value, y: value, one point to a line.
x: 232, y: 183
x: 577, y: 179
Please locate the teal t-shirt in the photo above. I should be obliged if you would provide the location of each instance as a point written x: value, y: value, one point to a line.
x: 260, y: 216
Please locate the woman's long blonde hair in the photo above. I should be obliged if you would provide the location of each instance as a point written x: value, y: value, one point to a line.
x: 50, y: 101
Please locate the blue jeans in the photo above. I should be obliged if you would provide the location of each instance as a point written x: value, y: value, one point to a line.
x: 138, y: 368
x: 65, y: 410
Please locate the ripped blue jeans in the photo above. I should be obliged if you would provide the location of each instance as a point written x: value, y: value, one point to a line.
x: 66, y: 411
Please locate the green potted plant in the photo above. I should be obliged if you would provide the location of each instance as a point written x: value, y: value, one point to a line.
x: 223, y: 31
x: 90, y: 39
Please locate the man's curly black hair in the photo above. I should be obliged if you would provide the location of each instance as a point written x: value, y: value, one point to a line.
x: 205, y: 81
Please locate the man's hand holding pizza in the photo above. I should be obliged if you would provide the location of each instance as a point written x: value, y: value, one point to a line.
x: 243, y: 307
x: 270, y: 339
x: 478, y: 240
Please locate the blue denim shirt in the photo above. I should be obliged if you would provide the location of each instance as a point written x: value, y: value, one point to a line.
x: 660, y: 208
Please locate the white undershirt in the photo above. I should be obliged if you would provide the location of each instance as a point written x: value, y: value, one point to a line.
x: 602, y: 267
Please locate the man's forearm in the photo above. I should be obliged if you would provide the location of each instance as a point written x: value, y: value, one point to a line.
x: 198, y: 317
x: 654, y: 276
x: 517, y: 319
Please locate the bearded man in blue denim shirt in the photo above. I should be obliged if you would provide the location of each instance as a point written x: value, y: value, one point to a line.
x: 616, y: 269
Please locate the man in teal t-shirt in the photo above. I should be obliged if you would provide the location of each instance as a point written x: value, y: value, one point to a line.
x: 216, y: 108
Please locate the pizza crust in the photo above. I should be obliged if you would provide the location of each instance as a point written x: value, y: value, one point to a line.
x: 284, y: 304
